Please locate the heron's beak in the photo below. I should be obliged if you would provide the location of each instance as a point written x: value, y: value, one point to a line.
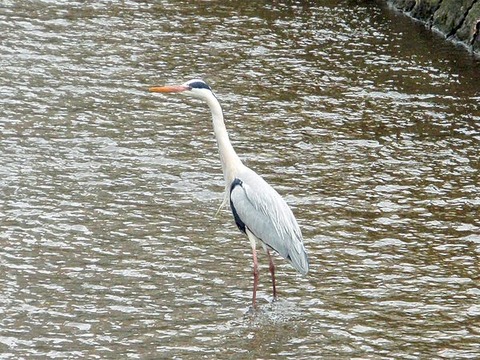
x: 169, y: 89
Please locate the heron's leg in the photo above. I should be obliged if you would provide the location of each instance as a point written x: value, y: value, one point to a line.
x: 272, y: 272
x: 253, y: 243
x: 255, y: 277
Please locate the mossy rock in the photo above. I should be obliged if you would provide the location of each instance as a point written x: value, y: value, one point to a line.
x: 425, y: 9
x: 404, y: 5
x: 469, y: 32
x: 450, y: 15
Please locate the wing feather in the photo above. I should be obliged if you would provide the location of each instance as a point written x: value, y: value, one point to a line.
x: 264, y: 212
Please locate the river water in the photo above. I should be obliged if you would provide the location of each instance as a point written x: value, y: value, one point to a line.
x: 367, y: 123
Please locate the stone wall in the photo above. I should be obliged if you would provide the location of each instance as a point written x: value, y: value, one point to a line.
x: 458, y: 20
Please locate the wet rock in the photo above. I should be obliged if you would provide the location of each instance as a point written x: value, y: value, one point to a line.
x: 469, y: 32
x: 450, y: 15
x: 405, y: 5
x: 425, y: 9
x: 456, y: 19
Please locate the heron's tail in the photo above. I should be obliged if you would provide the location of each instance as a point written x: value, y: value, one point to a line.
x: 298, y: 258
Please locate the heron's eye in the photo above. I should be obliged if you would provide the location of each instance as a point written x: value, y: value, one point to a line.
x: 199, y: 85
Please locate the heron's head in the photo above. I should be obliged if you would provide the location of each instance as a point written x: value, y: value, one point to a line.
x: 196, y: 88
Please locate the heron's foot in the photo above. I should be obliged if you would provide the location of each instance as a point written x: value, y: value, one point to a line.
x: 251, y: 312
x: 258, y: 307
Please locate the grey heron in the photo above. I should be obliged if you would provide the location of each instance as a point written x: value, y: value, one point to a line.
x: 259, y: 211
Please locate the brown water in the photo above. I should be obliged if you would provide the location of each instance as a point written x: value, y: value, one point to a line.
x: 367, y: 123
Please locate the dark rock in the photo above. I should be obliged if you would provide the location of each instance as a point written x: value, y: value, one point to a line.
x: 450, y: 15
x: 469, y: 32
x: 456, y: 19
x: 425, y: 9
x: 405, y: 5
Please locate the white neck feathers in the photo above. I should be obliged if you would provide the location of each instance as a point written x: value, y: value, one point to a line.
x: 229, y: 158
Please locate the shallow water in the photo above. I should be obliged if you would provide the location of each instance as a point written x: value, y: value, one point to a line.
x: 367, y: 123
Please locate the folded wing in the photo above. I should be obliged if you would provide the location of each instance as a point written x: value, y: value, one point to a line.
x: 258, y: 207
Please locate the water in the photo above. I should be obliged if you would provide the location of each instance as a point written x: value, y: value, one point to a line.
x: 367, y: 123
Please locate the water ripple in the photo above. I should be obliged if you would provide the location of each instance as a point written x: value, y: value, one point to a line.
x: 110, y: 244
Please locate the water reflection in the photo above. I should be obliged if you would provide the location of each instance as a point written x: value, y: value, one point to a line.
x: 366, y: 123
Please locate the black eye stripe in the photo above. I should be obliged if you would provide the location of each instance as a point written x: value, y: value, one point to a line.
x: 199, y: 85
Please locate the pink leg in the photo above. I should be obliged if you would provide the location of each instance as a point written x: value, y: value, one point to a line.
x: 272, y: 271
x: 255, y: 277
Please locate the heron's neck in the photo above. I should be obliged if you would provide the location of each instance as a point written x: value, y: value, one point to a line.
x: 229, y: 158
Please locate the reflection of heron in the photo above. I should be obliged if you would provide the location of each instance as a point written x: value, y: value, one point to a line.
x: 259, y: 211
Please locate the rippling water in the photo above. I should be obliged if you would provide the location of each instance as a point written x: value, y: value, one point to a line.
x: 367, y: 123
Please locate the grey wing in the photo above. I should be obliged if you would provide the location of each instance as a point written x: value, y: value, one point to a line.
x: 258, y: 207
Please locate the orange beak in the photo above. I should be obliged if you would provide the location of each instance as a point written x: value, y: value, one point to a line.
x: 169, y: 89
